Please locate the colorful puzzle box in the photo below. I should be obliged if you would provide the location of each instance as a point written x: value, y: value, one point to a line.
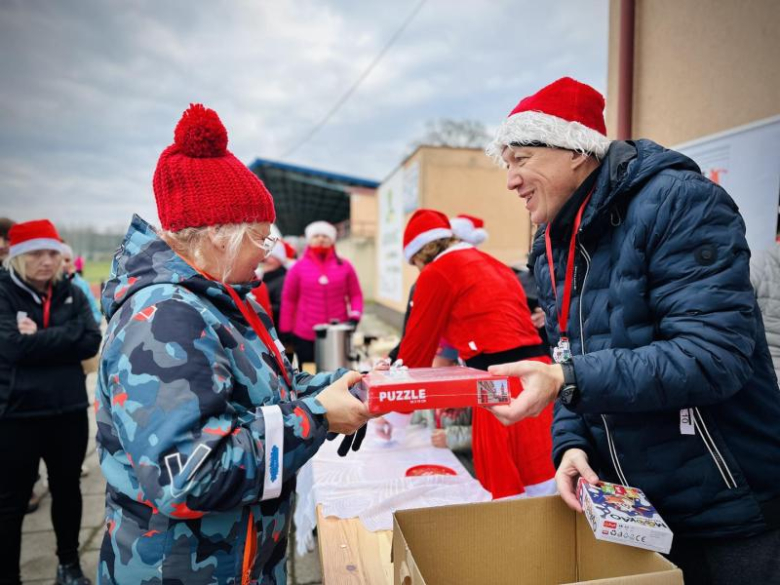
x: 623, y: 515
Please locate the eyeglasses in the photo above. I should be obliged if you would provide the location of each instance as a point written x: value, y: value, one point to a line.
x: 266, y: 245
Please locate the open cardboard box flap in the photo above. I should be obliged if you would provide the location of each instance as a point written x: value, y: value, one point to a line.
x: 533, y: 540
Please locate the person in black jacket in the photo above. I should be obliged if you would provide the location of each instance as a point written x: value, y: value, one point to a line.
x: 46, y: 330
x: 664, y: 380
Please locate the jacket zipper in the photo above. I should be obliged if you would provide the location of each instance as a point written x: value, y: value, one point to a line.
x: 610, y: 442
x: 709, y: 442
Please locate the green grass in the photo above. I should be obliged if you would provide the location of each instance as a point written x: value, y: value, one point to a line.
x: 96, y: 272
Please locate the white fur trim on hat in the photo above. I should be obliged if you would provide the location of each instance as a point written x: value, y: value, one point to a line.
x: 320, y: 228
x: 465, y: 230
x: 529, y: 127
x: 425, y: 238
x: 34, y: 245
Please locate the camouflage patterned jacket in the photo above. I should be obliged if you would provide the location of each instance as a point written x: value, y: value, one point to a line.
x: 199, y: 435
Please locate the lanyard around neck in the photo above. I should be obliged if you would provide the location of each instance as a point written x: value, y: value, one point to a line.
x: 563, y: 313
x: 255, y: 323
x: 46, y: 301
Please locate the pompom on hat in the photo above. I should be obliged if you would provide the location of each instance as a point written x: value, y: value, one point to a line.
x: 425, y: 226
x: 468, y: 228
x: 320, y: 228
x: 198, y: 182
x: 31, y: 236
x: 565, y: 114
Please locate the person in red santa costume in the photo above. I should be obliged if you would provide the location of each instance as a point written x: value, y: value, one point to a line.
x: 476, y: 304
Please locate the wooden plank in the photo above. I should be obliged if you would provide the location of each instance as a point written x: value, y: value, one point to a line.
x: 352, y: 555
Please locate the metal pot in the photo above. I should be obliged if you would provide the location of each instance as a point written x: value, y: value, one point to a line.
x: 333, y: 346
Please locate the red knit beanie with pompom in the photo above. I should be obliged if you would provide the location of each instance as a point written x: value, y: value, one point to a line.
x: 198, y: 182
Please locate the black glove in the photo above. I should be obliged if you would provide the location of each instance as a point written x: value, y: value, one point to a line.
x: 354, y: 440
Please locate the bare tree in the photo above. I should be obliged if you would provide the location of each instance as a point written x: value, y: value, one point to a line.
x: 457, y: 133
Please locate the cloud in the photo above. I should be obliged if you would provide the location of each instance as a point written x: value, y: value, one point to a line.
x: 93, y: 89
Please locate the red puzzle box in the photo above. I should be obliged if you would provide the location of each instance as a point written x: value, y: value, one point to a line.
x: 410, y: 389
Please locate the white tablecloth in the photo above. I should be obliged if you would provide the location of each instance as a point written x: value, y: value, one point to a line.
x: 371, y: 484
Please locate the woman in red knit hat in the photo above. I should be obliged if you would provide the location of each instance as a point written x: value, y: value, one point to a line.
x: 46, y: 330
x: 475, y: 303
x: 202, y: 422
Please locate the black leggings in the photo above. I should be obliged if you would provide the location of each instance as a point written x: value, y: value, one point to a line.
x: 62, y: 443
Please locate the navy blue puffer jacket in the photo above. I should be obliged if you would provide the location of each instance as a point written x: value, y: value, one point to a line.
x: 664, y: 328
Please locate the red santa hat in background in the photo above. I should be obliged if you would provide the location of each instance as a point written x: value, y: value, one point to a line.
x: 468, y: 228
x: 565, y: 114
x: 292, y: 253
x: 425, y: 226
x: 31, y: 236
x: 320, y: 228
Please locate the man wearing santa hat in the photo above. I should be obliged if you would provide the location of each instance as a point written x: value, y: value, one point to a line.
x: 664, y: 380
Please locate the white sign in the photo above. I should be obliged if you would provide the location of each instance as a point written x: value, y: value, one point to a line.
x: 412, y: 187
x: 390, y: 244
x: 745, y: 161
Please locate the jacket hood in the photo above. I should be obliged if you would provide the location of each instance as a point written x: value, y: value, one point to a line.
x: 144, y: 259
x: 628, y: 166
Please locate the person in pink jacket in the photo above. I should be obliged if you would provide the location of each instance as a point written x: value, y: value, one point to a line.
x: 319, y: 288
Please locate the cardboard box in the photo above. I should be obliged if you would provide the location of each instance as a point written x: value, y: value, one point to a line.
x: 405, y: 390
x: 623, y: 515
x: 537, y: 541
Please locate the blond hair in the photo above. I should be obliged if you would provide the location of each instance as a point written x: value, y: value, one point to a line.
x: 190, y: 242
x: 19, y: 266
x: 432, y: 249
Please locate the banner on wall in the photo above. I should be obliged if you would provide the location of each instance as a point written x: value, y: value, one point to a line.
x: 745, y: 161
x: 390, y: 238
x: 412, y: 187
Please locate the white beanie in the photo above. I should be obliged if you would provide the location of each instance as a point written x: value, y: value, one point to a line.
x: 320, y: 228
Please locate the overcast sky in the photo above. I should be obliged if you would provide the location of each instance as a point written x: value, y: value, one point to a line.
x: 92, y: 89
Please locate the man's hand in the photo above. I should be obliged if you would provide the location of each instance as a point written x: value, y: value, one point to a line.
x: 439, y: 438
x: 541, y: 384
x: 27, y: 326
x: 345, y: 413
x: 574, y: 465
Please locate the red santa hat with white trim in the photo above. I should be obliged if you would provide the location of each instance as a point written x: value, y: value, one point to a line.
x: 31, y: 236
x: 468, y: 228
x: 565, y: 114
x: 425, y: 226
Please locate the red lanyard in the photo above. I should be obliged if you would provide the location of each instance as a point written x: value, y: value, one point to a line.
x: 563, y: 314
x: 257, y: 325
x: 47, y: 307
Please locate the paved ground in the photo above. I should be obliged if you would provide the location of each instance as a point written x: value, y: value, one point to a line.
x: 39, y: 563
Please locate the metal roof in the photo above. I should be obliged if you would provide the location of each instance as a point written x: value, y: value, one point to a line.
x: 303, y: 195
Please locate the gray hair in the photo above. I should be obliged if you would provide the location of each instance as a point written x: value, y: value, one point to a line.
x: 189, y: 242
